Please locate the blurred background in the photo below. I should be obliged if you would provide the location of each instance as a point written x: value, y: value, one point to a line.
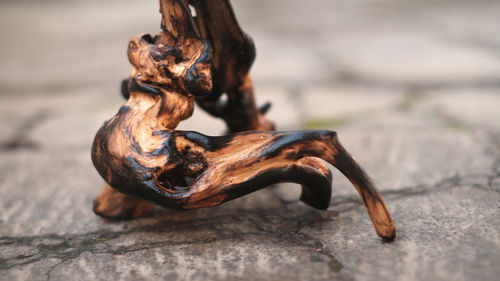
x: 74, y: 53
x: 412, y: 87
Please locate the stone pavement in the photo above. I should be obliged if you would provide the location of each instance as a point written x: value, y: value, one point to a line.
x: 412, y: 87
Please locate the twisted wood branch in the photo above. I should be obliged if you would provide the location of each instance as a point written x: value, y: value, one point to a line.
x: 146, y: 161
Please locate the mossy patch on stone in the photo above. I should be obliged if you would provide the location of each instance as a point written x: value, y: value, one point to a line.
x: 409, y: 100
x: 325, y: 123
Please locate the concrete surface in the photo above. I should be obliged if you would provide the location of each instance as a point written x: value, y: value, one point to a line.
x: 412, y: 88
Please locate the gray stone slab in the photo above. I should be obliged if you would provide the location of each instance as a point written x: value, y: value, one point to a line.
x: 412, y: 89
x: 345, y: 103
x: 445, y: 210
x: 466, y: 108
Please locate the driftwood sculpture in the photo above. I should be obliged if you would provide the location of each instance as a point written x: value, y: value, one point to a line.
x: 198, y: 58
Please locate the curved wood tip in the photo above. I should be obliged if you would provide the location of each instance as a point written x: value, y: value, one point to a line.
x: 389, y: 236
x: 381, y: 219
x: 373, y: 201
x: 377, y: 210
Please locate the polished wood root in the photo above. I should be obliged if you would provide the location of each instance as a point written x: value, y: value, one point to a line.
x: 200, y: 58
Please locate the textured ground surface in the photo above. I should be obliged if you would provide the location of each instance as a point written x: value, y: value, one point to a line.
x: 412, y: 87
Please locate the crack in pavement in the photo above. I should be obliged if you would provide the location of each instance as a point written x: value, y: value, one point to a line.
x: 69, y: 247
x: 443, y: 185
x: 76, y: 252
x: 294, y: 236
x: 20, y: 140
x: 341, y: 74
x: 421, y: 189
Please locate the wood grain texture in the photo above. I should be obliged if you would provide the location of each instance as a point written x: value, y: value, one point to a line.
x: 142, y: 156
